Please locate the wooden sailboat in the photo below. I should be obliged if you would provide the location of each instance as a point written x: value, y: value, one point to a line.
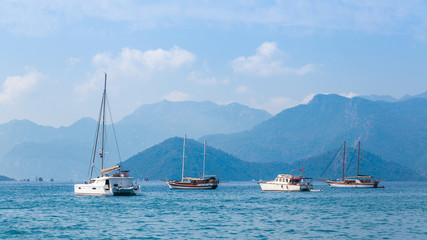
x: 119, y: 183
x: 205, y: 182
x: 358, y: 181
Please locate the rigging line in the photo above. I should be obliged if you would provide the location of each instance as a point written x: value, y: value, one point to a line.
x: 114, y: 130
x: 96, y: 139
x: 351, y: 160
x: 332, y: 160
x: 93, y: 149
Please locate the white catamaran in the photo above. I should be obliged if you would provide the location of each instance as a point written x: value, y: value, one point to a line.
x: 205, y: 182
x: 119, y: 183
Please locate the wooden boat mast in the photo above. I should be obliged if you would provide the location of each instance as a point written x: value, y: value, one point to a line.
x: 183, y: 158
x: 358, y: 158
x: 204, y: 158
x: 343, y: 163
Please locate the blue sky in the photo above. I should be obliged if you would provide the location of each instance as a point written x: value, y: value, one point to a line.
x: 265, y: 54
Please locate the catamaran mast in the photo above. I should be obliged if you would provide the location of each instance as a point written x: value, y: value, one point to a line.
x: 204, y: 159
x: 183, y: 158
x: 97, y: 130
x: 343, y: 163
x: 103, y: 123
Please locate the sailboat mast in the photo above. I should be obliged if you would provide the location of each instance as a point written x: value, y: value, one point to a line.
x: 204, y: 159
x: 96, y: 142
x: 343, y: 163
x: 97, y: 134
x: 358, y: 158
x: 103, y: 122
x: 183, y: 158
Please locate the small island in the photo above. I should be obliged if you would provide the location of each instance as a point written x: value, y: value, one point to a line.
x: 4, y: 178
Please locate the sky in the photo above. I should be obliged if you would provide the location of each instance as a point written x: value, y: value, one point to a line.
x: 269, y: 55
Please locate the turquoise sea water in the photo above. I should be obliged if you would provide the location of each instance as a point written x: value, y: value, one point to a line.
x: 237, y: 210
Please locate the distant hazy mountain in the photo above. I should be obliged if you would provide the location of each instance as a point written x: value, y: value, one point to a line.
x: 28, y: 149
x: 421, y: 95
x: 164, y: 161
x: 395, y: 131
x: 60, y: 159
x: 19, y: 131
x: 153, y: 123
x: 4, y: 178
x: 385, y: 98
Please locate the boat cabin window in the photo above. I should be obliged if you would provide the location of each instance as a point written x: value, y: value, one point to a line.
x: 107, y: 182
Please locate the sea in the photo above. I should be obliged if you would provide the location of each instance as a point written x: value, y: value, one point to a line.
x: 236, y: 210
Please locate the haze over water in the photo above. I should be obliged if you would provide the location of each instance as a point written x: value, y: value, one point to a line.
x: 237, y: 210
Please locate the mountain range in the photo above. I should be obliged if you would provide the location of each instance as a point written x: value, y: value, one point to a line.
x: 245, y: 138
x: 396, y: 131
x: 28, y: 149
x: 387, y: 98
x: 153, y: 123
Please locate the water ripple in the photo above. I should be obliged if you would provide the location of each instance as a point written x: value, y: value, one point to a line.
x: 233, y: 211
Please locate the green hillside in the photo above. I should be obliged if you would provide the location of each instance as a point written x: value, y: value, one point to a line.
x: 164, y: 161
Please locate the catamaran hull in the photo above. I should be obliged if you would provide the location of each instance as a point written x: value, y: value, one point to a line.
x: 285, y: 187
x: 81, y: 190
x: 185, y: 186
x: 126, y: 191
x: 91, y: 190
x: 108, y: 186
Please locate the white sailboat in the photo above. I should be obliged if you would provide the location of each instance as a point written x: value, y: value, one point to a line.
x: 205, y: 182
x: 119, y: 183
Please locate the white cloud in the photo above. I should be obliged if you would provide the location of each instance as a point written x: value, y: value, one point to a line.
x: 242, y: 89
x: 177, y: 96
x: 197, y: 78
x: 133, y: 65
x: 275, y: 105
x: 135, y: 62
x: 268, y: 61
x: 16, y: 86
x: 349, y: 95
x: 308, y: 98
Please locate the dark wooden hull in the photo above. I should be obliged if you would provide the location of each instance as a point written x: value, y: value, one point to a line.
x: 191, y: 185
